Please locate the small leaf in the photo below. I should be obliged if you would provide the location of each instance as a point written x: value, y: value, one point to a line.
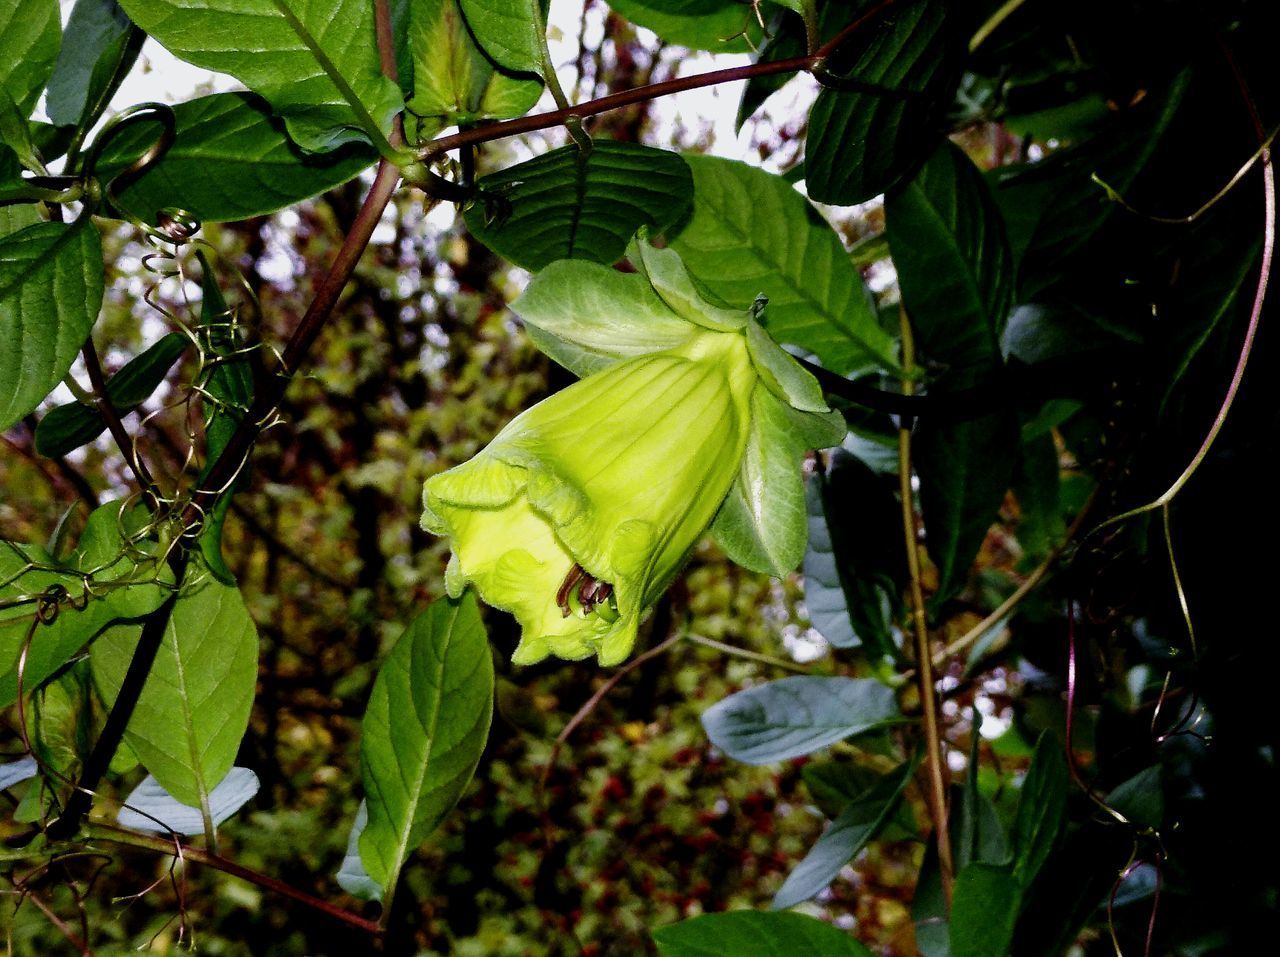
x: 862, y: 143
x: 99, y: 47
x: 424, y: 731
x: 230, y: 160
x: 316, y: 63
x: 352, y: 877
x: 856, y: 826
x: 984, y: 911
x: 50, y: 293
x: 30, y: 33
x: 194, y: 707
x: 507, y: 31
x: 1042, y: 805
x: 15, y: 135
x: 751, y: 233
x: 719, y: 26
x: 70, y: 426
x: 748, y: 933
x: 792, y: 717
x: 149, y: 807
x: 1141, y: 797
x: 576, y: 204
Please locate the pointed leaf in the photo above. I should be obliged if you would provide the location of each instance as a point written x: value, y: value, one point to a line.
x: 194, y: 708
x: 792, y: 717
x: 149, y: 807
x: 748, y: 933
x: 576, y: 204
x: 984, y: 911
x: 30, y: 33
x: 316, y: 63
x: 424, y: 731
x: 751, y: 233
x: 99, y: 47
x: 50, y: 293
x: 1042, y: 806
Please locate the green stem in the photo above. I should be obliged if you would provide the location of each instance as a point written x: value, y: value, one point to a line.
x: 748, y: 654
x: 993, y: 22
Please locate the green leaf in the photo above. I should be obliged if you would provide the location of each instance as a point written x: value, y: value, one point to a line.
x: 28, y: 571
x: 230, y: 160
x: 30, y: 33
x: 453, y: 81
x: 50, y: 293
x: 424, y: 731
x: 507, y: 31
x: 752, y: 233
x: 792, y: 717
x: 316, y: 63
x: 1036, y: 487
x: 856, y: 826
x: 99, y: 48
x: 1141, y: 798
x: 748, y: 933
x: 587, y: 316
x: 856, y: 565
x: 75, y: 424
x: 954, y: 266
x: 576, y: 204
x: 194, y: 708
x: 984, y: 910
x: 1042, y: 806
x: 15, y: 135
x: 149, y: 807
x: 862, y: 143
x: 720, y: 26
x: 14, y: 218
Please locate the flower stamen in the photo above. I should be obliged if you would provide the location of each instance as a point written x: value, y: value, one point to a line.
x: 588, y: 591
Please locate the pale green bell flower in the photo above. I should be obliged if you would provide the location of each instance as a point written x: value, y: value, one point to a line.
x: 578, y: 515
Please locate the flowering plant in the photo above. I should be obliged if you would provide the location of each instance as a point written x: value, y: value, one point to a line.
x: 689, y: 417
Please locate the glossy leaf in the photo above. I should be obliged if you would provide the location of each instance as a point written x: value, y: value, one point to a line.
x: 507, y: 31
x: 792, y: 717
x: 748, y: 933
x: 75, y: 424
x: 751, y: 233
x: 984, y: 911
x: 30, y: 33
x: 99, y: 47
x: 315, y: 63
x: 231, y: 160
x: 423, y: 733
x: 194, y: 708
x: 855, y: 566
x: 861, y: 143
x: 857, y: 825
x: 1042, y: 805
x: 50, y: 293
x: 1141, y: 797
x: 149, y: 807
x: 575, y: 204
x: 719, y: 26
x: 954, y: 266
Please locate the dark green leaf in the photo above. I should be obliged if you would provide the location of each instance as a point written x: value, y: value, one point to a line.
x: 327, y: 99
x: 194, y: 708
x: 575, y: 204
x: 30, y: 33
x: 862, y: 143
x: 1141, y: 797
x: 50, y: 293
x: 14, y: 218
x: 748, y: 933
x: 1040, y: 524
x: 230, y: 160
x: 856, y: 565
x: 984, y: 911
x: 427, y: 723
x: 792, y: 717
x: 720, y: 26
x: 75, y: 424
x: 1042, y: 804
x: 857, y: 825
x: 99, y: 48
x: 752, y: 233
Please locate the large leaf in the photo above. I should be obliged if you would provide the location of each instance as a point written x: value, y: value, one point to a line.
x: 453, y: 81
x: 50, y: 293
x: 316, y: 63
x: 149, y: 807
x: 954, y: 266
x: 792, y: 717
x: 423, y: 733
x: 99, y: 47
x: 103, y: 560
x: 862, y: 142
x: 230, y: 160
x: 748, y: 933
x: 984, y: 910
x: 194, y: 708
x: 30, y: 33
x: 856, y: 826
x: 75, y: 424
x: 752, y: 233
x: 720, y: 26
x: 576, y: 204
x: 14, y: 218
x: 507, y: 31
x: 856, y: 564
